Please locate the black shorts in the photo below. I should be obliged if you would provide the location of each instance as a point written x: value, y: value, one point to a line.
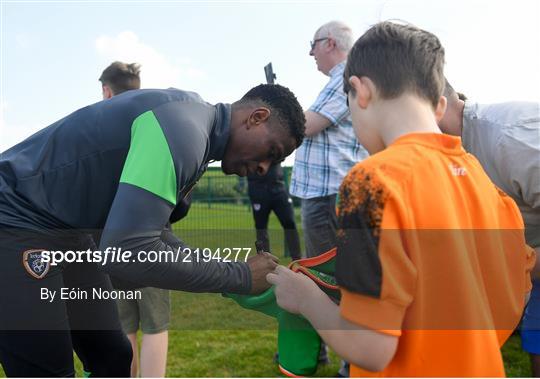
x: 37, y: 334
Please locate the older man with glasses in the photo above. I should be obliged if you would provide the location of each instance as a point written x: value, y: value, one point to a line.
x: 330, y: 148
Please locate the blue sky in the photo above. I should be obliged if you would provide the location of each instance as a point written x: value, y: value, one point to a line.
x: 52, y: 52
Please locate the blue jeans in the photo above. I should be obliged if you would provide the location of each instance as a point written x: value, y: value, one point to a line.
x: 319, y: 222
x: 530, y: 326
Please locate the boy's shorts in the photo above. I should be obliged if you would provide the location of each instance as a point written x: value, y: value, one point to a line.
x: 530, y: 327
x: 151, y: 313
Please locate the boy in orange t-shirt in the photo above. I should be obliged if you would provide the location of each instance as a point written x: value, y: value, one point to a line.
x: 431, y: 259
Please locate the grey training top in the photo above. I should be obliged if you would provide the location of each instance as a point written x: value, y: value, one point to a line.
x: 121, y: 167
x: 505, y: 138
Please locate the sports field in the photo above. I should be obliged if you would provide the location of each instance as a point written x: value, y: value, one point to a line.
x: 211, y: 336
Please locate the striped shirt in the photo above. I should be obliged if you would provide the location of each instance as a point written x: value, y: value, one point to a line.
x: 323, y: 160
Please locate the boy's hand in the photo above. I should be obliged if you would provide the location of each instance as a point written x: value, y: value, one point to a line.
x: 293, y: 290
x: 260, y: 265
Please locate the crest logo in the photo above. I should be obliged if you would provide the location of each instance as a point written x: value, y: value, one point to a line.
x: 257, y: 207
x: 34, y: 265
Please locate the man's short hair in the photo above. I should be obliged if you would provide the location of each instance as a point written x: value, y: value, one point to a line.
x: 283, y: 106
x: 398, y: 58
x: 121, y: 77
x: 339, y: 32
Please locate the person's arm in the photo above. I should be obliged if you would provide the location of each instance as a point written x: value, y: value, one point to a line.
x: 363, y: 347
x: 536, y: 270
x: 259, y: 264
x: 329, y: 108
x: 532, y: 270
x: 315, y: 123
x: 517, y: 162
x: 136, y: 221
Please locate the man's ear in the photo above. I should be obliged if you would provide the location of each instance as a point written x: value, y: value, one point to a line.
x: 364, y: 89
x: 107, y: 92
x: 330, y: 43
x: 440, y: 110
x: 258, y: 116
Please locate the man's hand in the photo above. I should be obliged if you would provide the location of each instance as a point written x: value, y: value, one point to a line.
x: 535, y: 274
x: 260, y: 265
x: 293, y: 290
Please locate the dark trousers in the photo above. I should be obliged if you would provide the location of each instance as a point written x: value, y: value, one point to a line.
x: 319, y: 223
x: 38, y: 336
x: 263, y: 201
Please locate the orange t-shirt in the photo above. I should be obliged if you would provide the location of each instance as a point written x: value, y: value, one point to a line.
x: 431, y: 251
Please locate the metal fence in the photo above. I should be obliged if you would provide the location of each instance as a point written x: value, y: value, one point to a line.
x: 216, y: 188
x: 221, y: 214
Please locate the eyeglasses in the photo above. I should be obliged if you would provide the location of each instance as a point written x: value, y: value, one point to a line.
x: 314, y: 42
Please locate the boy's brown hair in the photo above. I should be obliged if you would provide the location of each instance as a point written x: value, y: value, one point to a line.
x: 398, y: 58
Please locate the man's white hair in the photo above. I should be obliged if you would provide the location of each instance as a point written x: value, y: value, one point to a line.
x: 339, y: 32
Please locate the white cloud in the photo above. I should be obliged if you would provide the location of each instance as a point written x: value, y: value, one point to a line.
x: 157, y: 70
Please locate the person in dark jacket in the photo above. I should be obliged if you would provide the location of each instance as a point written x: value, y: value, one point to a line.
x: 268, y: 193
